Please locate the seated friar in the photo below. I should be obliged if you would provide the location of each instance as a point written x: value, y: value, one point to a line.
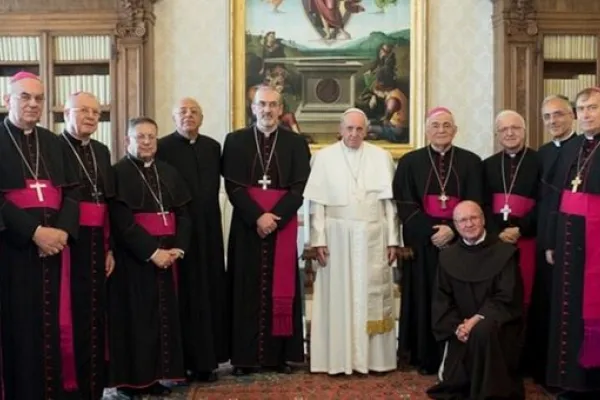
x: 477, y: 313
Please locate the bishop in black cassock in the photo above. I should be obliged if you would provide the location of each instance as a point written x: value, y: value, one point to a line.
x: 573, y: 230
x: 265, y: 177
x: 151, y: 226
x: 511, y: 179
x: 39, y: 204
x: 91, y: 256
x: 477, y: 314
x: 428, y: 184
x: 558, y: 117
x: 203, y: 297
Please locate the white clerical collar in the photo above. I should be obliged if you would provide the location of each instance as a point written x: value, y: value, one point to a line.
x: 589, y: 137
x: 478, y: 241
x: 191, y: 141
x: 146, y: 164
x: 84, y: 142
x: 441, y: 152
x: 558, y: 142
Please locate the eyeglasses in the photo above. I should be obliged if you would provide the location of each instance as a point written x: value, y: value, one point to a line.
x: 513, y: 128
x: 87, y: 110
x: 463, y: 221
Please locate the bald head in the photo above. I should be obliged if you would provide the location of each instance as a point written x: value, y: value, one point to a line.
x: 188, y: 117
x: 466, y: 207
x: 25, y: 100
x: 82, y: 114
x: 469, y: 220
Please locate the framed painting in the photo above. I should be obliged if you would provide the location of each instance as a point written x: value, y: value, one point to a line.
x: 325, y: 56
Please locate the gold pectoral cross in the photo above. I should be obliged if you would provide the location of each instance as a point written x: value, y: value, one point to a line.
x: 575, y: 183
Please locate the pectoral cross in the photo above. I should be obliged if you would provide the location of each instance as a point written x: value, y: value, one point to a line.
x: 96, y: 194
x: 265, y: 181
x: 505, y: 211
x: 38, y: 188
x: 575, y: 183
x: 164, y: 214
x: 443, y: 199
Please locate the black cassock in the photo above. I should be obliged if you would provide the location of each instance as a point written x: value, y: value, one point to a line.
x: 481, y: 279
x: 144, y: 327
x: 35, y: 290
x: 88, y: 256
x: 203, y: 297
x: 566, y: 234
x: 250, y: 259
x: 415, y: 179
x: 539, y: 309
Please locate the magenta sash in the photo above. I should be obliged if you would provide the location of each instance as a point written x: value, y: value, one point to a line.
x: 433, y: 206
x: 284, y: 263
x: 52, y: 198
x: 519, y: 207
x: 154, y: 224
x: 95, y: 215
x: 588, y: 206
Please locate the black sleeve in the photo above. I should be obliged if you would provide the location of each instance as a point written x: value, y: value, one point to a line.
x: 184, y: 228
x: 288, y: 205
x: 445, y: 316
x: 20, y: 225
x: 243, y: 204
x: 129, y: 234
x: 505, y: 301
x: 415, y: 222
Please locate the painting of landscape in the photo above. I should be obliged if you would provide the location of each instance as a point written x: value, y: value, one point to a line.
x: 325, y: 56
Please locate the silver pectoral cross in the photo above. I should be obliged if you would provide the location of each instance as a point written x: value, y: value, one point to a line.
x: 96, y: 194
x: 164, y: 214
x: 443, y: 199
x: 265, y: 182
x: 38, y: 188
x: 505, y: 212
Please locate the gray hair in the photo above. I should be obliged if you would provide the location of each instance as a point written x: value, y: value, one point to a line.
x: 559, y: 97
x: 506, y: 113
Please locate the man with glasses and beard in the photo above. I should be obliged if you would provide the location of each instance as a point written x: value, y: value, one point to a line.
x: 265, y: 168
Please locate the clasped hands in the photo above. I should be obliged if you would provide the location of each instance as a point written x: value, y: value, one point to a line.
x: 50, y: 241
x: 464, y: 330
x: 442, y: 236
x: 266, y: 224
x: 164, y: 258
x: 510, y: 235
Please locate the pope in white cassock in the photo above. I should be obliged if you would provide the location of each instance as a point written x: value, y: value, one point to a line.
x: 354, y: 228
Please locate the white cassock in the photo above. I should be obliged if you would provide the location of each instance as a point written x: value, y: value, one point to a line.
x: 352, y: 213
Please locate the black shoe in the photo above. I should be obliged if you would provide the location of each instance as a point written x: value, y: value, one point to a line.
x: 205, y: 376
x: 426, y: 371
x: 284, y: 369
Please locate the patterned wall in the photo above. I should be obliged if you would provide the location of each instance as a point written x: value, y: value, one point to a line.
x: 192, y: 59
x: 460, y: 70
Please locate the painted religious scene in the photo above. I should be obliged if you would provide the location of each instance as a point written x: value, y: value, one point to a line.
x: 325, y: 56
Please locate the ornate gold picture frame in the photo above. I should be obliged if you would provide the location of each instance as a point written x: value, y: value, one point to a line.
x: 328, y: 55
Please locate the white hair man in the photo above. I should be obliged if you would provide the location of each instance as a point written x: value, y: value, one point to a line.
x: 428, y: 184
x: 354, y: 228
